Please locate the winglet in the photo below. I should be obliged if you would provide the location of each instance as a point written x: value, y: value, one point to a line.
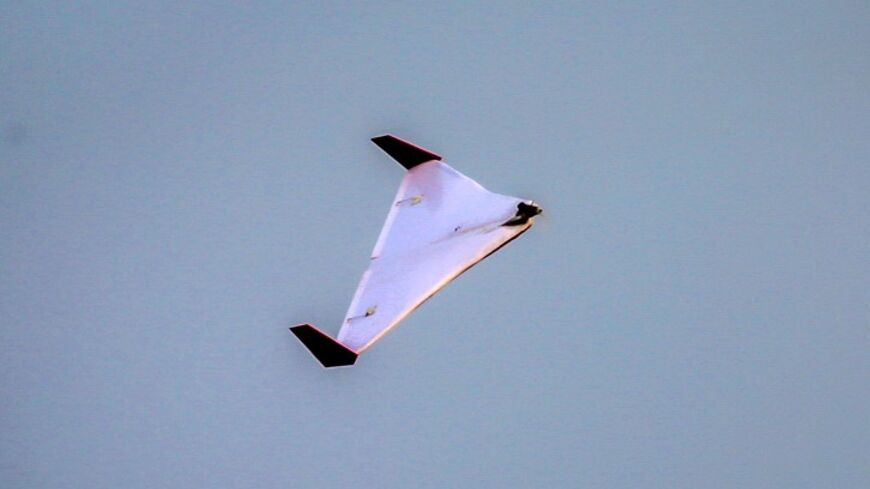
x: 407, y: 154
x: 325, y: 349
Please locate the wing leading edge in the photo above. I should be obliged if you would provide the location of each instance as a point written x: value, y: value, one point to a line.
x: 441, y: 223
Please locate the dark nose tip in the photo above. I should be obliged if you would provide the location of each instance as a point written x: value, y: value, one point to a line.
x: 528, y: 210
x: 524, y: 213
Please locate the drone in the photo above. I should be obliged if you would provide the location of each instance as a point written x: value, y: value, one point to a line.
x: 440, y: 224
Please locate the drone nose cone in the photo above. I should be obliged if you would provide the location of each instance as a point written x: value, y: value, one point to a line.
x: 528, y: 209
x: 525, y: 211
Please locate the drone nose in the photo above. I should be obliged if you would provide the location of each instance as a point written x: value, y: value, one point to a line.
x: 525, y: 211
x: 529, y: 209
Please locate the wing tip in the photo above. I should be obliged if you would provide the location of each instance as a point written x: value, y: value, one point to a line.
x: 329, y: 352
x: 404, y: 152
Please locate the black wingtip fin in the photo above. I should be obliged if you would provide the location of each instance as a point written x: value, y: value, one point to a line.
x: 328, y: 351
x: 407, y: 154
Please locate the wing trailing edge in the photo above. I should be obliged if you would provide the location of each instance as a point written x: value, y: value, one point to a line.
x: 407, y: 154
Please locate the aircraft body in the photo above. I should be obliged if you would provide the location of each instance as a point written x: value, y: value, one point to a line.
x: 440, y: 224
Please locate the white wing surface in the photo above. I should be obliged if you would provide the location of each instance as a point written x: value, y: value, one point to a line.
x: 440, y: 224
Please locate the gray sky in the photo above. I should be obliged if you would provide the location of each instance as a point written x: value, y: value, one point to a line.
x: 178, y: 185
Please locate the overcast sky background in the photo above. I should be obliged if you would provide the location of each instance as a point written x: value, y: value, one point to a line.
x: 178, y: 185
